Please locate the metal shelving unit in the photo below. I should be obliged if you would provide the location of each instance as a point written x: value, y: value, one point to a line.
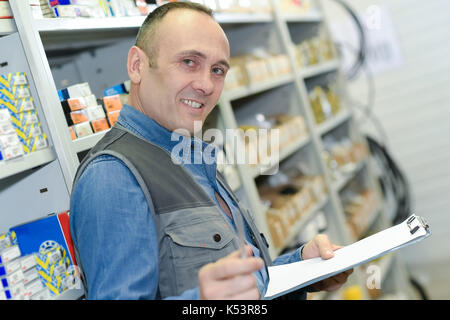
x: 39, y: 36
x: 26, y: 162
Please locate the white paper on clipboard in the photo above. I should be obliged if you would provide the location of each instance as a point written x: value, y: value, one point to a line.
x: 289, y: 277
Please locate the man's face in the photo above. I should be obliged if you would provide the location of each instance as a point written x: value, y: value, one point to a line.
x: 192, y: 60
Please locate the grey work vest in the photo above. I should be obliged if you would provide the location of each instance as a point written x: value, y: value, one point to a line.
x: 191, y: 229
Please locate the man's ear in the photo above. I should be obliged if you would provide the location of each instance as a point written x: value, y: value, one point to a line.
x: 135, y: 62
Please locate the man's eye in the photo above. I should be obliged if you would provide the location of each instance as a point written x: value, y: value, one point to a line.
x: 218, y: 71
x: 188, y: 62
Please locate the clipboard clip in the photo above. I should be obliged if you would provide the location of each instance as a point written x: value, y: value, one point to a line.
x: 419, y: 222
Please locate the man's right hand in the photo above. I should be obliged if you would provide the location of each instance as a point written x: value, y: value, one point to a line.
x: 230, y: 278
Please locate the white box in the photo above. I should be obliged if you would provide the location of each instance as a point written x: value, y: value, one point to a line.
x: 10, y: 253
x: 6, y: 127
x: 12, y: 152
x: 5, y: 9
x: 33, y: 288
x: 28, y: 262
x: 15, y: 278
x: 4, y: 115
x: 12, y: 266
x: 9, y: 140
x: 79, y: 90
x: 95, y: 113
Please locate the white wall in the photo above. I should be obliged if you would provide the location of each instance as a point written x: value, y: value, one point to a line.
x: 413, y: 104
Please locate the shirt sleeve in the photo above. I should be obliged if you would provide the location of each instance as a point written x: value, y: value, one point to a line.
x: 290, y: 257
x: 113, y: 229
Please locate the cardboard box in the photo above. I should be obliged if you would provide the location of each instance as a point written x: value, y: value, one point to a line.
x: 34, y: 143
x: 100, y: 125
x: 94, y: 113
x: 5, y: 10
x: 24, y: 119
x: 79, y: 90
x: 113, y: 116
x: 82, y: 129
x: 112, y: 103
x: 18, y: 106
x: 72, y: 133
x: 50, y: 240
x: 28, y: 132
x: 79, y: 116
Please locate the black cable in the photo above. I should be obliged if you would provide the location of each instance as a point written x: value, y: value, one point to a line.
x: 367, y: 109
x: 400, y: 188
x: 361, y: 57
x: 394, y: 179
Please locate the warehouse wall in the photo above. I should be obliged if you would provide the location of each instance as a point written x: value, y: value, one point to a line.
x: 413, y: 104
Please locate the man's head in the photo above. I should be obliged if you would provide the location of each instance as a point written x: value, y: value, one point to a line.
x: 178, y: 66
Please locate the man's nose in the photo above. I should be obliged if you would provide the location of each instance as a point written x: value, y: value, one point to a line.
x: 204, y: 83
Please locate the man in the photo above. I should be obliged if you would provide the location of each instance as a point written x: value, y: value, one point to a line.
x: 146, y: 228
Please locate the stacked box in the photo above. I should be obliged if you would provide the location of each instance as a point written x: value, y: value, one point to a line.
x: 113, y: 105
x: 114, y: 99
x: 287, y: 203
x: 250, y: 69
x: 20, y: 128
x: 314, y: 50
x: 5, y: 10
x: 83, y: 114
x: 47, y: 265
x: 18, y: 274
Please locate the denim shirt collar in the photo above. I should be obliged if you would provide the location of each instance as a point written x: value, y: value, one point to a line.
x: 187, y: 151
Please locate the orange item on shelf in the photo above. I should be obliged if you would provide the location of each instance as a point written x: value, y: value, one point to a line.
x: 72, y: 133
x: 79, y: 116
x: 112, y: 103
x: 100, y: 125
x: 112, y: 116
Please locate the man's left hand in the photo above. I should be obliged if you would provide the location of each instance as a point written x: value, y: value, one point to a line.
x: 321, y: 246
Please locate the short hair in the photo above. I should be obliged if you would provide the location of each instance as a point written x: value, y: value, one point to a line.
x: 145, y: 39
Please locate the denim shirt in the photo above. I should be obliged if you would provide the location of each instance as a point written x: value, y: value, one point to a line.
x: 112, y: 226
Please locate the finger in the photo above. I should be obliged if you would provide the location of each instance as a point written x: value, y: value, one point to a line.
x: 324, y: 245
x: 324, y: 284
x: 340, y: 278
x: 237, y: 253
x: 334, y: 287
x: 336, y: 247
x: 239, y: 285
x: 234, y: 266
x: 349, y: 271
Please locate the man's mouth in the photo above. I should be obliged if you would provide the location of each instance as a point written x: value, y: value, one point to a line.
x: 192, y: 103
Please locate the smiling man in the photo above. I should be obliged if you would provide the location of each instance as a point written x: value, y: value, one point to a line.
x: 145, y: 227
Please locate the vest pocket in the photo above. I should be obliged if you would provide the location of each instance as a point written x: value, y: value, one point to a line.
x: 203, y: 241
x: 194, y: 245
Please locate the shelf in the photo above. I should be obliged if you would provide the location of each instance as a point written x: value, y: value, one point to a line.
x: 301, y: 223
x: 7, y: 26
x: 284, y: 153
x: 70, y: 294
x: 115, y: 23
x: 87, y: 24
x: 332, y: 123
x: 258, y: 87
x: 318, y: 69
x: 230, y: 18
x: 339, y: 184
x: 29, y: 161
x: 86, y: 143
x: 309, y: 16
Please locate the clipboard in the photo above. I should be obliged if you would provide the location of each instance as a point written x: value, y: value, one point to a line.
x: 293, y: 276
